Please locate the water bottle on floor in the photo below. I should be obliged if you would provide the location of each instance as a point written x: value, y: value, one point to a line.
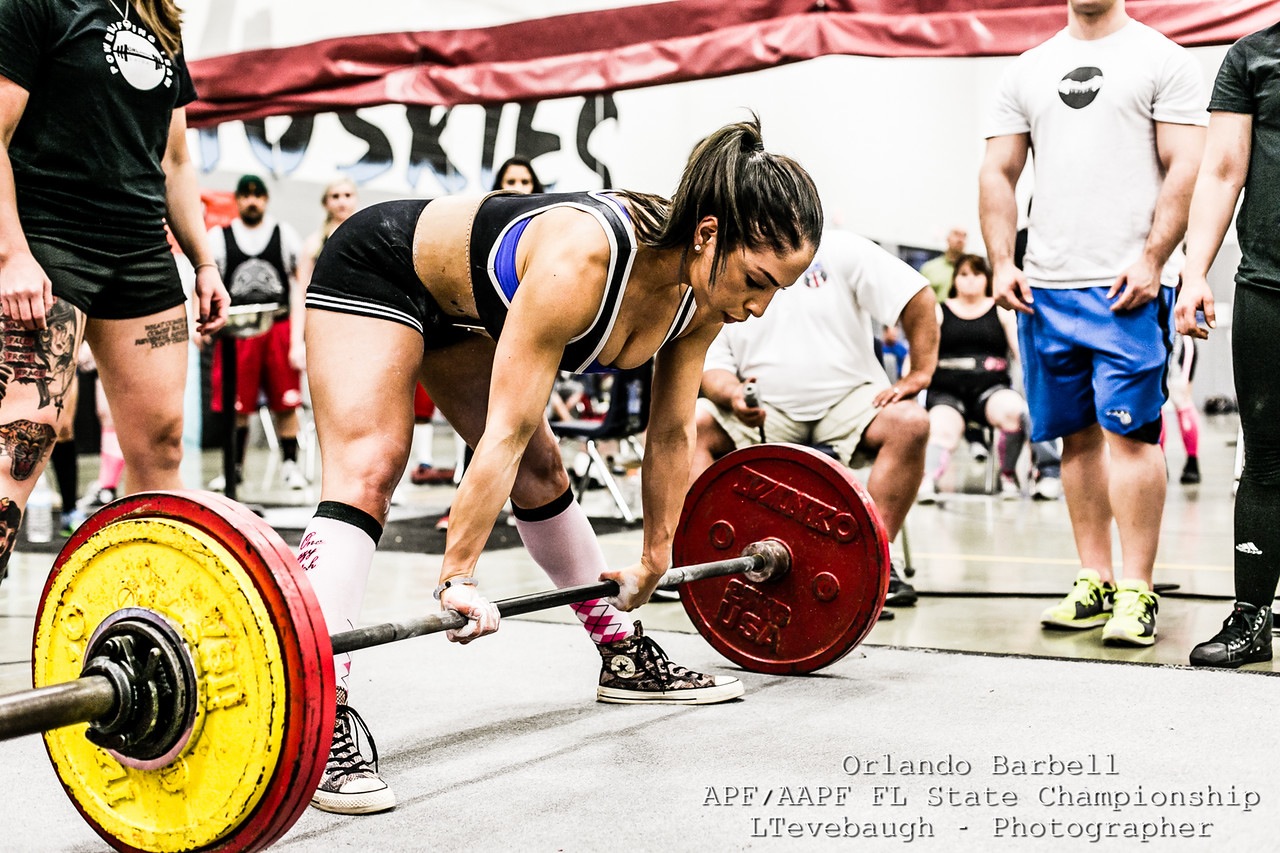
x: 39, y: 515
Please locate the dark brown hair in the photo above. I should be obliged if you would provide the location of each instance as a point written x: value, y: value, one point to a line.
x: 975, y: 263
x: 517, y: 161
x: 164, y: 19
x: 760, y: 199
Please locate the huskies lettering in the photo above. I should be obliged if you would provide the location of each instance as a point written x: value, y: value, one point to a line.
x: 792, y: 503
x: 283, y: 153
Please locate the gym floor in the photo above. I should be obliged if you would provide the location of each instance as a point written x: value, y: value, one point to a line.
x: 499, y: 763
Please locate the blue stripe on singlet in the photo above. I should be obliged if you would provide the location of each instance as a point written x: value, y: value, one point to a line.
x: 504, y: 262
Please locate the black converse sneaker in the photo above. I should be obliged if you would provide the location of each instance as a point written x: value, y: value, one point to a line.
x: 636, y: 671
x: 1245, y: 638
x: 351, y: 784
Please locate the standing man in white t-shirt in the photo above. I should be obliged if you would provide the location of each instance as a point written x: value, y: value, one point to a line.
x: 1115, y: 114
x: 812, y: 358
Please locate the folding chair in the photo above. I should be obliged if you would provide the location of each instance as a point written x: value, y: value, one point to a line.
x: 626, y: 417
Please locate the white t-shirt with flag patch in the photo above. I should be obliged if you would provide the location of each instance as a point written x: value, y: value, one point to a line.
x: 814, y: 343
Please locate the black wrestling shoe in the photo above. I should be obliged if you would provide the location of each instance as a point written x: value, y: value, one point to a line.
x: 1245, y: 638
x: 901, y: 593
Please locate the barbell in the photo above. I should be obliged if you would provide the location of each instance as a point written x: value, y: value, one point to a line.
x: 180, y: 628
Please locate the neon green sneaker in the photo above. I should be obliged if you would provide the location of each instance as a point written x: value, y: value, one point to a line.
x: 1088, y: 605
x: 1134, y: 620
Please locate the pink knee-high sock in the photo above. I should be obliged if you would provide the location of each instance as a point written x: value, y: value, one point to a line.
x: 337, y: 553
x: 111, y: 460
x: 559, y: 538
x: 1190, y: 426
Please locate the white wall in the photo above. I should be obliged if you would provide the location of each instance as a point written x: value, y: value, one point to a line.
x: 894, y: 144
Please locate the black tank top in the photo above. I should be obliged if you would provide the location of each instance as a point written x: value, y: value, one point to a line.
x: 977, y: 338
x: 253, y: 279
x: 495, y: 233
x: 973, y: 355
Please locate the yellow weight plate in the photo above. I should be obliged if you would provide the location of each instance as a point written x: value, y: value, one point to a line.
x: 212, y: 787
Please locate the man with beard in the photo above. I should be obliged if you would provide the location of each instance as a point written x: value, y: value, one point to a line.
x: 258, y: 258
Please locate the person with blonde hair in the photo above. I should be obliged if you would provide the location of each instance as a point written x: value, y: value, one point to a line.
x: 93, y: 165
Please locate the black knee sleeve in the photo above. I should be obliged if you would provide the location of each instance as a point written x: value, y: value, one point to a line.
x: 351, y: 515
x: 542, y: 513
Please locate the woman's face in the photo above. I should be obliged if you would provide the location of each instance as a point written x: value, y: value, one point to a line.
x: 970, y: 282
x: 518, y: 179
x: 340, y: 201
x: 749, y: 280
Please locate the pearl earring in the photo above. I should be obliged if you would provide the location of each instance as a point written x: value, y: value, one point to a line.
x: 697, y: 247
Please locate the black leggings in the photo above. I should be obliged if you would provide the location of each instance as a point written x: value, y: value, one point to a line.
x: 1255, y: 351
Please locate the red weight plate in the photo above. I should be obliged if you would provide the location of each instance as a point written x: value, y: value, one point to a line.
x: 839, y: 576
x: 303, y: 640
x: 312, y: 690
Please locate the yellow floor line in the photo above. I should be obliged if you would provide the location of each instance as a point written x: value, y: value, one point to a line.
x: 1056, y: 561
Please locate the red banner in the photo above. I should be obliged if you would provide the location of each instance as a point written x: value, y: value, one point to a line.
x: 635, y: 46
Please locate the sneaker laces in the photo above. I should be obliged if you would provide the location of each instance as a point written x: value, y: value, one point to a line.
x: 1085, y: 592
x: 1135, y: 605
x: 345, y: 757
x: 668, y: 671
x: 1238, y: 626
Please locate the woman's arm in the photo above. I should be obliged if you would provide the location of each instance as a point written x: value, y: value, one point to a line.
x: 1222, y: 175
x: 186, y: 221
x: 298, y: 301
x: 562, y: 279
x: 26, y: 294
x: 668, y: 458
x: 1009, y: 322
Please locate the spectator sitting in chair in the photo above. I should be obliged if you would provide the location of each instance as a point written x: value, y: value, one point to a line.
x: 819, y: 381
x: 978, y: 342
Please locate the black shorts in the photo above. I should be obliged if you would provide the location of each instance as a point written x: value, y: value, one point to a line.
x: 111, y: 286
x: 366, y: 268
x: 971, y: 404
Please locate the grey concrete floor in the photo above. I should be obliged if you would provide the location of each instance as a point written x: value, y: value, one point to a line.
x: 499, y: 747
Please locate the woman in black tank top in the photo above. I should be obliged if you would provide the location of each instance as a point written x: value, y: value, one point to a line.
x: 976, y: 345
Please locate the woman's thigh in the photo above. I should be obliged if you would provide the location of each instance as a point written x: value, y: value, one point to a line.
x: 1005, y: 409
x: 142, y: 364
x: 361, y: 372
x: 37, y: 370
x: 457, y: 380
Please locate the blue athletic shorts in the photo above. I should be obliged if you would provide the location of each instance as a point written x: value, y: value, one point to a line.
x: 1084, y: 364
